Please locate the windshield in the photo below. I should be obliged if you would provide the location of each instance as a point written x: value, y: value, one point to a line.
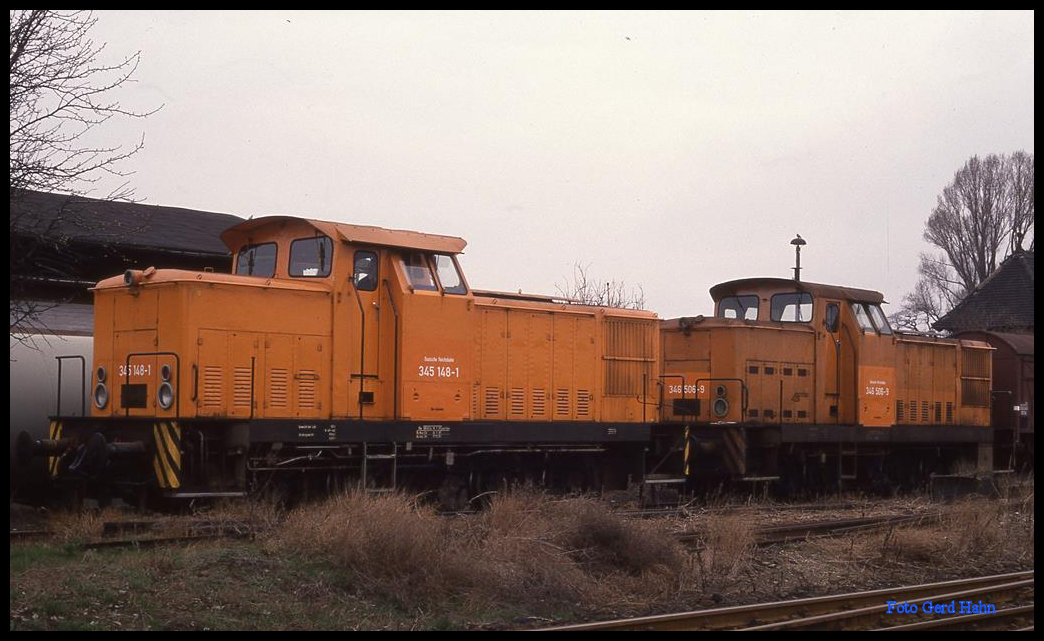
x: 745, y: 307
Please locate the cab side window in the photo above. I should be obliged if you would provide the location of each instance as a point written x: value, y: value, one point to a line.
x: 364, y: 276
x: 880, y: 320
x: 792, y: 308
x: 418, y: 271
x: 449, y: 275
x: 862, y: 317
x: 833, y: 312
x: 257, y: 260
x: 311, y: 257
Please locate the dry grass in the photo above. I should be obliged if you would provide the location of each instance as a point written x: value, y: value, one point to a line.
x: 389, y: 562
x: 525, y: 549
x: 970, y: 532
x: 723, y: 547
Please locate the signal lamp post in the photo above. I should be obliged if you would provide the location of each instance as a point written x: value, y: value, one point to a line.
x: 797, y: 243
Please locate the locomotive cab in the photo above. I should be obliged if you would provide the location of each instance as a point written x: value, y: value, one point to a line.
x: 379, y: 280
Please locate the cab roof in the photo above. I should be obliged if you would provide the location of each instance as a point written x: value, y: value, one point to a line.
x: 250, y: 231
x: 773, y: 285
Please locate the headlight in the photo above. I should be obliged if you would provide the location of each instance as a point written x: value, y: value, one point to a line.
x: 165, y: 395
x: 101, y: 395
x: 721, y: 407
x: 100, y: 374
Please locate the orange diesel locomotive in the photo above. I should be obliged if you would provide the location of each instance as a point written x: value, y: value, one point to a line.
x: 808, y: 383
x: 340, y: 353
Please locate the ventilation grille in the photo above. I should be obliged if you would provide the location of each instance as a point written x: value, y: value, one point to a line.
x: 517, y: 402
x: 306, y: 389
x: 539, y: 403
x: 241, y: 385
x: 212, y: 386
x: 277, y: 387
x: 583, y: 403
x: 492, y: 401
x: 562, y: 403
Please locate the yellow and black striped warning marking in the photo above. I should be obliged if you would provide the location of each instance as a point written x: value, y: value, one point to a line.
x: 735, y: 450
x: 167, y: 461
x: 688, y: 443
x: 55, y: 434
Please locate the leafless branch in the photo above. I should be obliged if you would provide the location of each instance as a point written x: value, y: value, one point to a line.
x: 584, y: 288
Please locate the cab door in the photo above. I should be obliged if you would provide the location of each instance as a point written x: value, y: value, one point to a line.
x: 368, y: 314
x: 834, y: 353
x: 875, y: 387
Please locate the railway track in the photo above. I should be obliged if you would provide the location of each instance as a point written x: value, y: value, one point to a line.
x: 1002, y: 601
x: 772, y: 534
x: 149, y: 533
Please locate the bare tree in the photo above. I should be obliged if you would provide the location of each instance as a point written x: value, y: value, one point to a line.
x: 1019, y: 201
x: 60, y: 92
x: 588, y: 290
x: 982, y: 217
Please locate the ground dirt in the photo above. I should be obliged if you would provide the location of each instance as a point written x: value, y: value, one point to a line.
x: 300, y: 577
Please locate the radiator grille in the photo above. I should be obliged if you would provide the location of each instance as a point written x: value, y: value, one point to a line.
x: 629, y: 349
x: 975, y: 377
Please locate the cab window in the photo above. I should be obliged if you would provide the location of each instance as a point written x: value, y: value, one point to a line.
x: 418, y: 271
x: 862, y: 317
x: 311, y: 257
x: 880, y: 320
x: 364, y: 276
x: 833, y: 311
x: 257, y: 260
x: 449, y: 276
x: 745, y: 307
x: 792, y: 307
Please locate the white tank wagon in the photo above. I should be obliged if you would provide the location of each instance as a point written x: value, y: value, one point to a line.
x: 35, y: 395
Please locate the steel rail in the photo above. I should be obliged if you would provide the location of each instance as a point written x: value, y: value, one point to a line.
x: 742, y: 616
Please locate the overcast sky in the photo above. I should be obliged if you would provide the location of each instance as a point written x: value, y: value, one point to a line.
x: 670, y: 150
